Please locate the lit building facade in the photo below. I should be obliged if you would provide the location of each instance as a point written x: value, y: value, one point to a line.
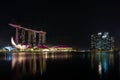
x: 42, y: 38
x: 32, y: 38
x: 102, y: 41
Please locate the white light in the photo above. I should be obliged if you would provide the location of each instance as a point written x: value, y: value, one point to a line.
x: 104, y: 36
x: 100, y: 68
x: 46, y: 50
x: 99, y: 33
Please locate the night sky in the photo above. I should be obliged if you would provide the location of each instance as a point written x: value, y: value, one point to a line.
x: 66, y: 23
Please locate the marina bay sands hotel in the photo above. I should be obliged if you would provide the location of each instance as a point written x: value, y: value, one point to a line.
x: 25, y: 36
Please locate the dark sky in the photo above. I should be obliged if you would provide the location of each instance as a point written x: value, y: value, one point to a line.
x: 69, y: 23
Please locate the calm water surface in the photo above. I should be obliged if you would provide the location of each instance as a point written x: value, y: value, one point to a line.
x: 62, y: 66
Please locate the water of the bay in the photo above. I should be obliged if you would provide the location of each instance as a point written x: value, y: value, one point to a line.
x: 62, y: 66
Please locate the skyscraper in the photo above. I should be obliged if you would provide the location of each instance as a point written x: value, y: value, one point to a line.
x: 42, y: 37
x: 102, y: 41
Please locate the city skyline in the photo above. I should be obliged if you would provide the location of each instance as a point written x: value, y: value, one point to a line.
x: 69, y: 24
x: 26, y: 30
x: 57, y: 40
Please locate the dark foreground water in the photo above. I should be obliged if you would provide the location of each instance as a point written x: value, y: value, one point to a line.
x: 60, y: 66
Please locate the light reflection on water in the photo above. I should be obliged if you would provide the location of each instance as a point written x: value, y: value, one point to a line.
x: 102, y: 61
x: 32, y: 62
x: 98, y: 65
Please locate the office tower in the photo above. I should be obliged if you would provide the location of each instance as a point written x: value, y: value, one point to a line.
x: 102, y: 41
